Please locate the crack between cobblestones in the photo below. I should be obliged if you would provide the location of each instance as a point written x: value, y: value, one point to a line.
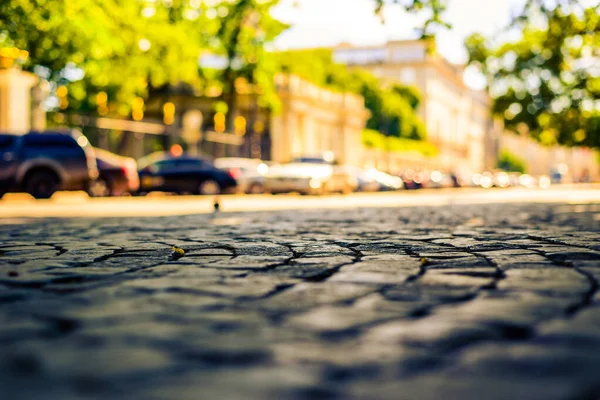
x: 328, y: 273
x: 527, y: 332
x: 106, y: 256
x: 587, y: 299
x: 59, y: 249
x: 554, y: 241
x: 422, y: 267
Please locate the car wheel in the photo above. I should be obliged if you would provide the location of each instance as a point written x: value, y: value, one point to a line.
x: 318, y: 192
x: 256, y: 188
x: 209, y: 187
x: 347, y: 189
x: 99, y: 188
x: 42, y: 184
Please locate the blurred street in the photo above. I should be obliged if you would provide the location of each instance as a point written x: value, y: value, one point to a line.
x: 78, y: 204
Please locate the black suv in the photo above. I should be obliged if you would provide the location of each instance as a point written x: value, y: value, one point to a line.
x: 40, y: 163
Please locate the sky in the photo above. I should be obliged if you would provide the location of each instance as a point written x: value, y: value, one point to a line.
x: 319, y: 23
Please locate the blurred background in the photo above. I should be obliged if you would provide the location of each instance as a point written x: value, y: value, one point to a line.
x: 313, y: 97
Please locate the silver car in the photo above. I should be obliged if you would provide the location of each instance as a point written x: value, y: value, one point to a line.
x: 309, y: 178
x: 248, y: 172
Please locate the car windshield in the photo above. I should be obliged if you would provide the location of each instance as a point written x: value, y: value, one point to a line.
x: 150, y: 159
x: 193, y: 163
x: 225, y: 163
x: 312, y: 160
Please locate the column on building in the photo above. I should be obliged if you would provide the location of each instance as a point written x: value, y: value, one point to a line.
x: 278, y: 139
x: 311, y: 122
x: 15, y: 100
x: 296, y: 132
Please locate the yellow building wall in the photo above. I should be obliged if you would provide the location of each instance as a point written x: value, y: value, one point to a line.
x: 313, y: 120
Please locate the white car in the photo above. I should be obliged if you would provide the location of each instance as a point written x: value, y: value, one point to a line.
x: 366, y: 182
x: 386, y: 181
x: 309, y: 178
x: 248, y: 172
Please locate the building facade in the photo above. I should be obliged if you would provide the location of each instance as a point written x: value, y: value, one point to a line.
x: 576, y: 164
x: 457, y: 118
x: 313, y: 120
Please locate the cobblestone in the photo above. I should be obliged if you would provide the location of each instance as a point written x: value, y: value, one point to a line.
x: 487, y: 301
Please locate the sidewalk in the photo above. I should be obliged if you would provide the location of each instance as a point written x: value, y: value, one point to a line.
x: 454, y: 302
x: 78, y: 204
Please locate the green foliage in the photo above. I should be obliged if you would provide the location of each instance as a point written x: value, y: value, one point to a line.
x: 410, y: 93
x: 434, y: 8
x: 510, y: 163
x: 241, y: 38
x: 376, y: 140
x: 314, y: 65
x: 547, y: 83
x: 120, y: 50
x: 393, y: 110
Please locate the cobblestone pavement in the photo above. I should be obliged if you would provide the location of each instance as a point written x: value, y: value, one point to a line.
x: 469, y: 302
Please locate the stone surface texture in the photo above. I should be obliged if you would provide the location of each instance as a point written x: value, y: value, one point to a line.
x: 453, y: 302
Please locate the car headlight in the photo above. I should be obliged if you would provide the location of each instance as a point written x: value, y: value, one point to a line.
x: 315, y: 183
x: 262, y: 169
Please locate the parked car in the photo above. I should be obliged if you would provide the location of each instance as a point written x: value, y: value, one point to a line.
x: 366, y: 182
x: 341, y: 179
x: 439, y: 180
x: 310, y: 175
x: 117, y: 175
x: 249, y: 173
x: 41, y: 163
x: 501, y: 179
x: 164, y: 172
x: 414, y: 179
x: 298, y: 177
x: 386, y: 181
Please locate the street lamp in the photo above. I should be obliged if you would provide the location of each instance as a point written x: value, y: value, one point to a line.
x: 240, y: 125
x: 137, y: 109
x: 168, y: 113
x: 220, y: 122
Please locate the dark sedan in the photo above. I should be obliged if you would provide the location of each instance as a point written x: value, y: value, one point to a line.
x: 162, y: 172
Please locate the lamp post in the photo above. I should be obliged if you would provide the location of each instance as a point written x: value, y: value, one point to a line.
x: 192, y: 134
x: 254, y: 119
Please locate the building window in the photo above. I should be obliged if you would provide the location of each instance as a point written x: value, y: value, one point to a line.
x: 408, y: 53
x: 408, y: 76
x: 359, y: 56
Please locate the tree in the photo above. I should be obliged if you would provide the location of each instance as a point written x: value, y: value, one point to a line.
x: 510, y: 163
x: 435, y: 8
x: 119, y: 47
x: 546, y: 83
x: 246, y: 27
